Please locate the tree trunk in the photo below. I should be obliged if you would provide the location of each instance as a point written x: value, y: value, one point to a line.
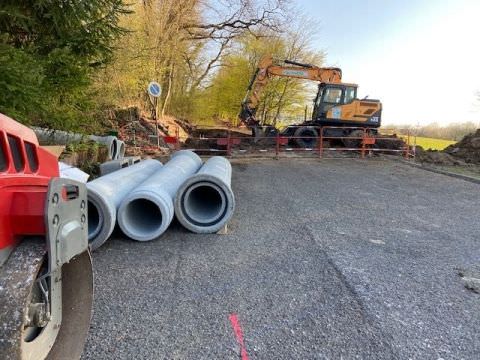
x: 280, y: 102
x: 169, y: 90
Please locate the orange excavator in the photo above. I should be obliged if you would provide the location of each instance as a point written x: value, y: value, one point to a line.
x: 335, y: 105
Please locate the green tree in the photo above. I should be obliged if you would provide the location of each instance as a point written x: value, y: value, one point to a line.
x: 179, y: 43
x: 48, y: 52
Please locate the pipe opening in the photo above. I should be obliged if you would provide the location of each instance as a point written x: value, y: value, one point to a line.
x: 113, y: 149
x: 142, y: 215
x: 204, y: 204
x: 94, y: 222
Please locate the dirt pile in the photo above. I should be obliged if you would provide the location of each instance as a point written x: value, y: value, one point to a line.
x: 465, y: 152
x: 435, y: 157
x: 138, y: 131
x: 467, y: 149
x: 390, y: 142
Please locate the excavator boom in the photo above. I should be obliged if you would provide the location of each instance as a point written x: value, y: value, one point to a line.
x: 267, y: 68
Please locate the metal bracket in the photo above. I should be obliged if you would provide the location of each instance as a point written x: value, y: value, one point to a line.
x: 66, y: 221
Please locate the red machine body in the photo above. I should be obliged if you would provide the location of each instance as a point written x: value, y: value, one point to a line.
x: 25, y: 172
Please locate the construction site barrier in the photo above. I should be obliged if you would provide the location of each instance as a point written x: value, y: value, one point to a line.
x: 368, y: 142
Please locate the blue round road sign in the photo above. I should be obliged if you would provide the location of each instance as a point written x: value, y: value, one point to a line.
x: 154, y: 89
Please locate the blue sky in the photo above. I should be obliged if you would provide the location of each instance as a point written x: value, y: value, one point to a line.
x: 421, y: 58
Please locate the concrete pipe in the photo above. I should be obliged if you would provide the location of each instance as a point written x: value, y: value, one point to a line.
x: 111, y: 142
x: 121, y: 149
x: 146, y: 212
x: 105, y: 195
x: 205, y: 202
x: 133, y: 159
x: 47, y: 136
x: 113, y: 165
x: 57, y: 137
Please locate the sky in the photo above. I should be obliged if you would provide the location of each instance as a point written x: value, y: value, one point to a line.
x: 421, y: 58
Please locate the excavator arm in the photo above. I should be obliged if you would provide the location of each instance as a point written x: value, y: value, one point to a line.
x: 267, y: 69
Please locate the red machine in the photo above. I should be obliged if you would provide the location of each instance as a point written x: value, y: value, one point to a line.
x: 46, y: 281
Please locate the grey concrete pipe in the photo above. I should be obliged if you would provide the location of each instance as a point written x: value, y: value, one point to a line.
x: 112, y: 144
x: 113, y: 165
x: 105, y: 195
x: 147, y: 211
x: 121, y: 150
x: 58, y: 137
x: 205, y: 202
x: 116, y: 148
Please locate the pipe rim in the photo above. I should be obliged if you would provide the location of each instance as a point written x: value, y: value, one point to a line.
x: 202, y: 229
x: 121, y: 151
x: 98, y: 221
x: 187, y: 195
x: 107, y: 219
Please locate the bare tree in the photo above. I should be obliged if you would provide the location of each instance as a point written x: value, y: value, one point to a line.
x: 235, y: 18
x: 226, y: 20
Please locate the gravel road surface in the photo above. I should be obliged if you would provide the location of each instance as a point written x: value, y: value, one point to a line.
x: 331, y: 259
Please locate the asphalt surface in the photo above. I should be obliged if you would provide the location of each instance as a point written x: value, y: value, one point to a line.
x: 332, y: 259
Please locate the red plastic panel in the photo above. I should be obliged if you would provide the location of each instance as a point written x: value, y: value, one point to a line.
x: 23, y: 191
x: 12, y: 127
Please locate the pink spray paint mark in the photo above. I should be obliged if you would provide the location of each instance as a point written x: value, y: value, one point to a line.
x: 237, y: 329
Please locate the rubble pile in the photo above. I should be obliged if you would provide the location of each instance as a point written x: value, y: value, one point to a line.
x: 467, y: 149
x: 435, y: 157
x: 138, y: 131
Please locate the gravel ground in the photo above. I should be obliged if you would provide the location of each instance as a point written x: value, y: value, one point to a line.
x: 329, y: 259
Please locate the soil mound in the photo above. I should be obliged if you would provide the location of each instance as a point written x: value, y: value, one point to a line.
x: 467, y: 149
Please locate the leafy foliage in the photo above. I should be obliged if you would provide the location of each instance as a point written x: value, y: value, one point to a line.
x: 63, y: 61
x: 49, y: 49
x: 184, y: 45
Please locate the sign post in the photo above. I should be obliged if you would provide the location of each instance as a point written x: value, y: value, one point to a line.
x: 154, y: 91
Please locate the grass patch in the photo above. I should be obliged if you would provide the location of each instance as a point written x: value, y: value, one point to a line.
x: 430, y: 143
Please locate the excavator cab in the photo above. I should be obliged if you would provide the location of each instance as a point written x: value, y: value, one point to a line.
x: 336, y: 104
x: 331, y: 95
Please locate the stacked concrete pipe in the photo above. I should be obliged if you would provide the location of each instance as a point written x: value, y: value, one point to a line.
x: 112, y: 144
x: 106, y: 193
x: 121, y: 150
x: 205, y: 202
x: 59, y: 137
x: 147, y: 211
x: 116, y: 148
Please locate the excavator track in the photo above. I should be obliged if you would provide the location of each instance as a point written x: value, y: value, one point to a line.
x: 30, y: 334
